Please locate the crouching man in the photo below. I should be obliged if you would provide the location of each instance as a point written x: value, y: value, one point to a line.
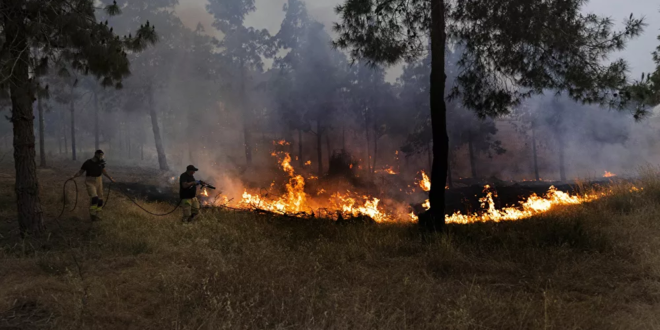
x: 94, y: 168
x: 188, y: 194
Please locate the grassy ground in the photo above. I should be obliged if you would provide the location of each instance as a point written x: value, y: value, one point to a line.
x: 592, y: 266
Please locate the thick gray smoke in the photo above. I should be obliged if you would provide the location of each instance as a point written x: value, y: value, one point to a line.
x: 191, y: 85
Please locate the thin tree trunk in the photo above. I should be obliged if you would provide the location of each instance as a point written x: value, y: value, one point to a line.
x: 247, y: 136
x: 450, y: 180
x: 30, y: 215
x: 42, y: 146
x: 301, y: 162
x: 190, y: 152
x: 329, y: 148
x: 562, y: 160
x: 142, y: 151
x: 536, y: 164
x: 473, y: 162
x: 343, y: 138
x: 72, y: 109
x: 319, y: 146
x: 96, y: 122
x: 429, y: 154
x: 376, y: 137
x: 366, y: 132
x: 438, y: 118
x: 162, y: 159
x: 66, y: 140
x: 59, y: 144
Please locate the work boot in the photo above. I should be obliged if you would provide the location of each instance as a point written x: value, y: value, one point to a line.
x: 192, y: 217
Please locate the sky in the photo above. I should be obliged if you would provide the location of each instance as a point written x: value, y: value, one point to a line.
x: 269, y: 15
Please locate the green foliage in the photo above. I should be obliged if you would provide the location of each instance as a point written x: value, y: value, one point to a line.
x: 66, y: 35
x: 513, y: 49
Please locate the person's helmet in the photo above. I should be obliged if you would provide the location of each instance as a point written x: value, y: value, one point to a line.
x: 192, y: 168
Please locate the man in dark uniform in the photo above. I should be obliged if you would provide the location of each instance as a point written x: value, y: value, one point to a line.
x: 94, y: 168
x: 188, y: 193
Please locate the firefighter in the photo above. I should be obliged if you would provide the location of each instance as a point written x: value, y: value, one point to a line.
x: 94, y: 168
x: 188, y: 193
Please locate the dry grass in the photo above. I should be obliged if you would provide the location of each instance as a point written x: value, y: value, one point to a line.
x: 591, y: 266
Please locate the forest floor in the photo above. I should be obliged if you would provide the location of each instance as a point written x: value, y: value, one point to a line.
x: 589, y: 266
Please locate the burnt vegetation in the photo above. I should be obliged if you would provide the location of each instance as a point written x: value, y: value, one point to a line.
x: 345, y: 153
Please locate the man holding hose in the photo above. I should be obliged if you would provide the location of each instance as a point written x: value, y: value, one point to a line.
x: 188, y: 193
x: 94, y: 168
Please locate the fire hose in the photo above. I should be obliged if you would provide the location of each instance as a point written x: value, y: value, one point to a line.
x: 75, y: 204
x: 203, y: 184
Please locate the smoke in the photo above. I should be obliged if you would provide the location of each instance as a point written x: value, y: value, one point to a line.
x: 196, y: 91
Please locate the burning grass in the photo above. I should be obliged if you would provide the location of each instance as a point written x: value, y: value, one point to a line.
x: 295, y: 201
x: 592, y: 265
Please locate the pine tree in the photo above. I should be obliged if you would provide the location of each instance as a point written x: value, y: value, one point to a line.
x: 242, y: 48
x: 512, y: 49
x: 63, y: 33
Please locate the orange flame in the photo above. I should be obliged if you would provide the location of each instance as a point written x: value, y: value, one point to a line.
x: 609, y: 174
x: 532, y: 206
x: 425, y: 183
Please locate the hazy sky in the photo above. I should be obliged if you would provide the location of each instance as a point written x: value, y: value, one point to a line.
x: 269, y: 15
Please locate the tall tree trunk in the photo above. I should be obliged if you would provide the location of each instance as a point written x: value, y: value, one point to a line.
x: 72, y: 109
x: 536, y: 164
x: 96, y: 122
x: 562, y: 159
x: 429, y: 154
x: 247, y: 119
x: 59, y: 144
x: 328, y: 147
x: 450, y: 179
x: 343, y: 138
x: 190, y: 152
x: 128, y: 141
x: 319, y: 146
x: 64, y: 134
x: 42, y: 145
x: 366, y: 133
x: 142, y: 151
x: 162, y: 159
x: 30, y: 215
x: 473, y: 161
x: 436, y: 219
x: 376, y: 137
x: 301, y: 162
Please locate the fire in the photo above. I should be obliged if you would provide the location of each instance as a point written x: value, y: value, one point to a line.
x: 307, y: 163
x: 425, y: 184
x: 281, y: 143
x: 388, y: 170
x: 609, y: 174
x: 532, y: 206
x: 427, y: 204
x: 295, y: 201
